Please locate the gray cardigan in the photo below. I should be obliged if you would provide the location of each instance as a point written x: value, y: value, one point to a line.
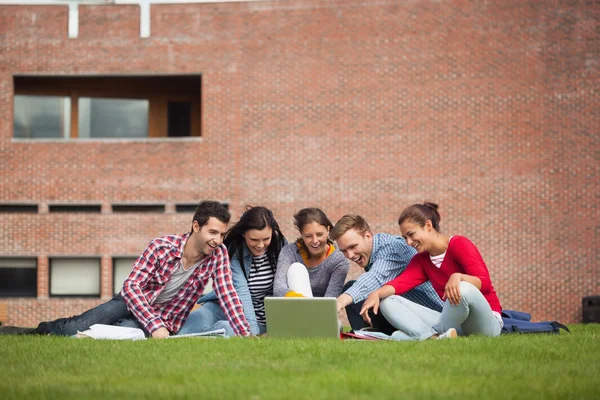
x: 326, y: 279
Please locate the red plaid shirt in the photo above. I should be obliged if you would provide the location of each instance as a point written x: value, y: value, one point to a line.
x: 153, y: 269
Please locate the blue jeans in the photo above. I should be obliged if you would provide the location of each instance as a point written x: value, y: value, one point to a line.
x: 472, y: 315
x: 209, y: 317
x: 113, y: 312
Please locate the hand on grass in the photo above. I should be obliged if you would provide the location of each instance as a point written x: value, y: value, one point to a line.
x: 160, y: 333
x: 452, y: 289
x: 371, y: 302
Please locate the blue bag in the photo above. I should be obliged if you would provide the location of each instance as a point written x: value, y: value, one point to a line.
x: 520, y: 322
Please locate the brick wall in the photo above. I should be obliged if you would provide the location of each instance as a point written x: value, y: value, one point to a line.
x: 489, y: 108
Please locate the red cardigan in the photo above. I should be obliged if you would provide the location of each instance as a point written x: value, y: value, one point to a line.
x: 461, y: 256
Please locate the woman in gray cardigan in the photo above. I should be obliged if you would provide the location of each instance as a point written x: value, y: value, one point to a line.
x: 311, y: 266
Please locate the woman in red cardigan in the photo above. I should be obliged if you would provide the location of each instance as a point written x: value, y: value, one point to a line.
x: 458, y: 275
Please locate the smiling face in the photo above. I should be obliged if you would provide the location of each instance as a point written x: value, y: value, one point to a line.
x: 417, y: 236
x: 258, y: 240
x: 314, y: 236
x: 208, y: 237
x: 356, y: 247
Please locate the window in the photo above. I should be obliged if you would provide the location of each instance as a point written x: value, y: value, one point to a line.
x: 106, y: 107
x: 191, y: 207
x: 42, y: 117
x: 18, y: 277
x: 121, y: 270
x: 180, y: 118
x: 113, y: 118
x: 138, y: 208
x: 19, y: 208
x: 75, y: 277
x: 186, y: 207
x: 74, y: 208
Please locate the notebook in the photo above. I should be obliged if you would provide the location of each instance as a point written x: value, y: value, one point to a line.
x: 302, y: 317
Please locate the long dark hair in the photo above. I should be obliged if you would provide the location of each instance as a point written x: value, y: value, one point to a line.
x: 254, y: 218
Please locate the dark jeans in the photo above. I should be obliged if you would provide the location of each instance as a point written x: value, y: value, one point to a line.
x: 113, y: 312
x: 357, y: 322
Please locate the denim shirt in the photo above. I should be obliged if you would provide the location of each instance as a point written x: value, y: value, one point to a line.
x: 389, y: 258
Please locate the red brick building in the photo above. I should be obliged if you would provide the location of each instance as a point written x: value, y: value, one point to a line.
x: 115, y: 119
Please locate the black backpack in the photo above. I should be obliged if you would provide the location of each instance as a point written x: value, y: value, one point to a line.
x: 520, y: 322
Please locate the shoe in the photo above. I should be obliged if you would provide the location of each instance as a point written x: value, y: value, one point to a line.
x: 16, y: 330
x: 449, y: 334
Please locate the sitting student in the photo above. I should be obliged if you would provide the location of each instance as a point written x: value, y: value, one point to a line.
x: 458, y: 275
x: 312, y: 266
x: 165, y: 282
x: 383, y: 257
x: 254, y: 243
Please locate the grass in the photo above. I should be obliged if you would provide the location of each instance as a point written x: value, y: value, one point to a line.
x: 516, y: 366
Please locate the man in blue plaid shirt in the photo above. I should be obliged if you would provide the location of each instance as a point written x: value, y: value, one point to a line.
x: 383, y: 258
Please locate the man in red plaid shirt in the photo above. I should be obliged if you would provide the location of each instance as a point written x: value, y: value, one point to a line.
x: 165, y: 283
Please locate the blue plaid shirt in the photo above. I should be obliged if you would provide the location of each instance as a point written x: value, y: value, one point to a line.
x: 389, y: 258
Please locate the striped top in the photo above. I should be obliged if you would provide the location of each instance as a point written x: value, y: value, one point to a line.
x: 260, y: 284
x: 437, y: 260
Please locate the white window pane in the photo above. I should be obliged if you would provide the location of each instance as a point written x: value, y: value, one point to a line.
x: 112, y: 118
x: 72, y: 276
x: 122, y: 269
x: 18, y: 262
x: 42, y: 117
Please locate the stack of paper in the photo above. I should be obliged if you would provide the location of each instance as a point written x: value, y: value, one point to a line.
x: 100, y: 331
x: 215, y: 333
x: 373, y: 335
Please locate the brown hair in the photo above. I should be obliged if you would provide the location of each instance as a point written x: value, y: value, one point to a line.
x: 207, y: 209
x: 310, y: 215
x: 347, y: 222
x: 420, y: 213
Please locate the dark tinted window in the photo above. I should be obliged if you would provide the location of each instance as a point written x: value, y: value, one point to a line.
x: 18, y: 277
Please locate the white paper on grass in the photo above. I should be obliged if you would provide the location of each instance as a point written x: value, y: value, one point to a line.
x: 373, y: 335
x: 101, y: 331
x: 215, y: 333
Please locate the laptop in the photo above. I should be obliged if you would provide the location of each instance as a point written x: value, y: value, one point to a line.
x: 302, y: 317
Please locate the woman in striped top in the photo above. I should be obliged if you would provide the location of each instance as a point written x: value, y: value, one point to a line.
x: 457, y: 273
x: 311, y: 266
x: 253, y: 243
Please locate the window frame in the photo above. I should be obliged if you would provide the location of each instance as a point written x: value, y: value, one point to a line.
x: 158, y: 89
x: 114, y: 269
x: 89, y: 296
x: 35, y: 268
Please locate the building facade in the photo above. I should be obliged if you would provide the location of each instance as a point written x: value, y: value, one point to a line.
x: 116, y: 118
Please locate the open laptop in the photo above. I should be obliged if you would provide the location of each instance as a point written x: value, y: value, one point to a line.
x: 302, y: 317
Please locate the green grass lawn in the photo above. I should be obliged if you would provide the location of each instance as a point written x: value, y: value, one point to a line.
x: 516, y: 366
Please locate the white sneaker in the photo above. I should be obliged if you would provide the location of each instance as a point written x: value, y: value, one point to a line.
x: 449, y: 334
